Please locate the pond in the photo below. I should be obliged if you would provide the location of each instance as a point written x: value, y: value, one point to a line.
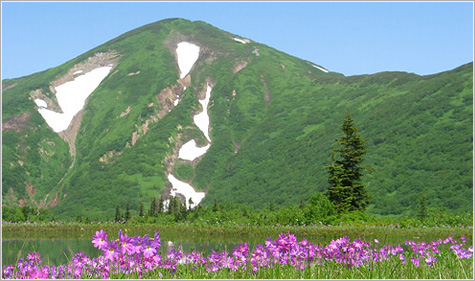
x: 59, y: 251
x: 56, y: 247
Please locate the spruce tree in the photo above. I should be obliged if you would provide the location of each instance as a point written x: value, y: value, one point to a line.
x: 127, y: 212
x: 346, y: 191
x: 141, y: 212
x: 422, y: 207
x: 118, y: 215
x: 153, y: 208
x: 160, y: 205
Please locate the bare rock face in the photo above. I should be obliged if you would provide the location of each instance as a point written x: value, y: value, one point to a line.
x: 16, y: 123
x: 167, y: 97
x: 239, y: 66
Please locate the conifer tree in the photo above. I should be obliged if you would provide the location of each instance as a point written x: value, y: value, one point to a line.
x: 153, y: 208
x: 141, y: 212
x: 346, y: 191
x: 422, y: 207
x: 118, y: 215
x: 160, y: 205
x: 171, y: 205
x: 127, y: 212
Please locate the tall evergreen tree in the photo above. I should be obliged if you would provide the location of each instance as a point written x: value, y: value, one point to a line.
x: 422, y: 207
x: 171, y: 205
x: 141, y: 212
x: 160, y: 205
x: 127, y: 212
x: 118, y: 215
x: 346, y: 191
x: 153, y: 208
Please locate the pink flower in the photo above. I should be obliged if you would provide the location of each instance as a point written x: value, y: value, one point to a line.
x: 415, y: 261
x: 125, y: 243
x: 100, y: 239
x: 402, y: 258
x: 430, y: 260
x: 149, y: 251
x: 111, y: 252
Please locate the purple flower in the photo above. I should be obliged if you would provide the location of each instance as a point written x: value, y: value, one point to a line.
x: 430, y: 260
x: 111, y: 252
x: 125, y: 243
x: 100, y: 239
x: 156, y: 240
x: 402, y: 258
x: 415, y: 261
x: 149, y: 251
x: 140, y: 243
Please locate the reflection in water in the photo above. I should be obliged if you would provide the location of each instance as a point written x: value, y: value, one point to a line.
x: 60, y: 251
x: 52, y: 251
x: 56, y: 251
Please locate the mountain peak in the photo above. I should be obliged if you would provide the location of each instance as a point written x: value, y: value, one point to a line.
x: 188, y: 110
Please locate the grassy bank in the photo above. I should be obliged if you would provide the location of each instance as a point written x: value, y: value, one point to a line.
x: 391, y: 233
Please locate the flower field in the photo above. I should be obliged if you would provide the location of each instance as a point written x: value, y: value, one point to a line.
x: 282, y: 258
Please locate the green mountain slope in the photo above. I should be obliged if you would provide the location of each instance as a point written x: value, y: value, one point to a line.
x: 273, y: 120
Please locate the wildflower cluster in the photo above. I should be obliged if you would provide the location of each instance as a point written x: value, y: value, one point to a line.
x: 141, y: 255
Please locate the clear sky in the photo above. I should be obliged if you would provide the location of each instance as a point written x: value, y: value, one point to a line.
x: 347, y: 37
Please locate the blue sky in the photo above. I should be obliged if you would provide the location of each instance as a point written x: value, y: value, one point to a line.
x: 347, y: 37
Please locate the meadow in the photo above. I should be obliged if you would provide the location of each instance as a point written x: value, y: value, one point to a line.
x: 316, y: 251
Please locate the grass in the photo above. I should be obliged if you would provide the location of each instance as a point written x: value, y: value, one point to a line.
x: 227, y: 231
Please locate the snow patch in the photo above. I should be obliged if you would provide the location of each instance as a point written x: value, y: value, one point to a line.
x: 177, y: 100
x: 202, y: 119
x: 320, y: 68
x: 244, y: 41
x: 77, y: 72
x: 41, y: 103
x: 71, y: 98
x: 187, y: 54
x: 190, y: 151
x: 186, y: 190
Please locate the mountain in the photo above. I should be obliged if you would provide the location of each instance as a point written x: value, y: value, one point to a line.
x: 183, y: 108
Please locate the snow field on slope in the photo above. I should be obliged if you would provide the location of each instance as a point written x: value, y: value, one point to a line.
x: 71, y: 98
x: 187, y: 190
x: 187, y: 54
x: 190, y: 151
x: 320, y: 68
x: 202, y: 119
x: 241, y: 40
x: 41, y: 103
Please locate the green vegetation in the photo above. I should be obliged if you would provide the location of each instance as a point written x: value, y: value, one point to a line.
x: 316, y: 211
x: 346, y: 190
x: 271, y: 141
